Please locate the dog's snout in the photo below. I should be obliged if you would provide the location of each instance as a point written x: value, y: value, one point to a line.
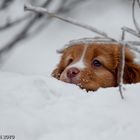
x: 72, y: 72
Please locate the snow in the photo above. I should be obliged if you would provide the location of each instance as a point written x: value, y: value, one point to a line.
x: 43, y: 108
x: 35, y: 106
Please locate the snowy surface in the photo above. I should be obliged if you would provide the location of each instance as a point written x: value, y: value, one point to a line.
x: 35, y: 106
x: 42, y: 108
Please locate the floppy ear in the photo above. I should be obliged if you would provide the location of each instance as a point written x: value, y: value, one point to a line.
x: 131, y: 69
x: 131, y: 73
x: 58, y: 70
x: 64, y: 61
x: 60, y: 67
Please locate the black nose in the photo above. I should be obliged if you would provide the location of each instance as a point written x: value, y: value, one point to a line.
x: 72, y: 72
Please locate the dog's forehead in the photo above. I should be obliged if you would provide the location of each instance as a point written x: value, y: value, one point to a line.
x: 86, y: 41
x: 75, y: 47
x: 78, y: 53
x: 74, y: 51
x: 92, y: 48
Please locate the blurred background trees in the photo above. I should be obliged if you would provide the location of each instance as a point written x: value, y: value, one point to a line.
x: 30, y: 24
x: 27, y: 39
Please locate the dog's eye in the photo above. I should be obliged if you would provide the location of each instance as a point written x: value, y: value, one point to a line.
x: 70, y: 61
x: 96, y: 63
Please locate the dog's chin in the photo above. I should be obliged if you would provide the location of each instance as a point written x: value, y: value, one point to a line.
x: 74, y: 80
x: 85, y: 84
x: 89, y: 85
x: 81, y: 85
x: 70, y: 81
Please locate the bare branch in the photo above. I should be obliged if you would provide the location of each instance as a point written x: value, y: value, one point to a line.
x: 130, y: 46
x: 126, y: 29
x: 134, y: 43
x: 72, y: 21
x: 13, y: 23
x: 122, y: 54
x: 5, y: 4
x: 121, y: 65
x: 69, y: 20
x: 39, y: 28
x: 131, y: 31
x: 133, y: 16
x: 23, y: 33
x: 138, y: 2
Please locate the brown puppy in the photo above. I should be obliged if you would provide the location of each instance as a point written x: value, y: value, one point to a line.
x: 95, y: 65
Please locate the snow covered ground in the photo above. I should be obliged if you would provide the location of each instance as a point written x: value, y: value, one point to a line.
x: 35, y: 106
x: 42, y: 108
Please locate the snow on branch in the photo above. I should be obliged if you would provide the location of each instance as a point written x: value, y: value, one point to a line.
x: 137, y: 26
x: 121, y: 65
x: 131, y: 31
x: 29, y: 7
x: 41, y: 10
x: 133, y: 15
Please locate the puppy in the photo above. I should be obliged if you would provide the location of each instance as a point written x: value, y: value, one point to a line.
x: 95, y: 65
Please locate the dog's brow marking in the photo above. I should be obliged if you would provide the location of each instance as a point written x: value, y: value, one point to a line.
x: 80, y: 63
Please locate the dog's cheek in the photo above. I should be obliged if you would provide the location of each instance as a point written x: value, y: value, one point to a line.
x: 131, y: 73
x: 87, y: 80
x: 106, y: 79
x: 92, y: 80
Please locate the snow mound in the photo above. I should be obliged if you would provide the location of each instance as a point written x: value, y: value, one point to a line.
x: 43, y: 108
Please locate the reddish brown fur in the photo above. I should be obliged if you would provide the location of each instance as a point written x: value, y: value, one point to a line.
x: 91, y: 78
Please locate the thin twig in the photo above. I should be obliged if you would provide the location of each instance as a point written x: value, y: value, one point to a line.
x: 134, y: 43
x: 131, y: 31
x: 39, y: 28
x: 121, y: 65
x: 13, y: 23
x: 133, y: 16
x: 69, y: 20
x: 5, y: 4
x: 72, y: 21
x: 138, y: 1
x: 130, y: 46
x: 23, y: 34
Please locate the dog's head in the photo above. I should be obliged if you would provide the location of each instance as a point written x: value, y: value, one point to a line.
x: 95, y: 65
